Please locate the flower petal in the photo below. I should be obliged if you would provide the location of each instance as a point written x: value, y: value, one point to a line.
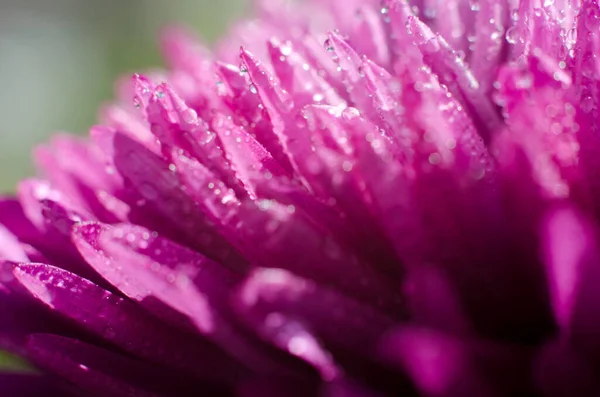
x: 31, y: 385
x: 120, y: 322
x: 162, y: 277
x: 160, y: 189
x: 572, y: 253
x: 294, y: 314
x: 441, y: 365
x: 282, y: 236
x: 103, y: 373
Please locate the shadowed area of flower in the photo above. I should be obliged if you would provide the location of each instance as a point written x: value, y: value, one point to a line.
x: 367, y: 199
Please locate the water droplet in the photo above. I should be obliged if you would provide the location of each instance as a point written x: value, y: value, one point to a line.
x: 298, y: 345
x: 252, y: 88
x: 286, y: 49
x: 189, y: 116
x: 109, y: 333
x: 274, y: 320
x: 264, y: 205
x: 524, y: 82
x: 435, y: 158
x: 587, y: 104
x: 350, y: 113
x: 571, y: 38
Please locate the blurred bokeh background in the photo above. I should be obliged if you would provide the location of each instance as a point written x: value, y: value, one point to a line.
x: 59, y: 60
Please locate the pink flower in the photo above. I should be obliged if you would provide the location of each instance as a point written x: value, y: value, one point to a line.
x: 412, y: 210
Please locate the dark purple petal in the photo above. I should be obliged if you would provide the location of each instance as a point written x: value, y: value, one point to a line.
x: 31, y: 385
x: 10, y: 247
x: 147, y: 267
x: 441, y: 365
x: 276, y: 235
x: 326, y: 329
x: 561, y: 371
x: 103, y: 373
x: 21, y: 317
x: 155, y: 182
x: 120, y: 322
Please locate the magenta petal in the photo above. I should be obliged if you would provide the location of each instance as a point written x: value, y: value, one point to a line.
x: 212, y: 196
x: 453, y: 72
x: 561, y: 371
x: 116, y: 118
x: 184, y: 281
x: 10, y: 247
x: 434, y: 302
x: 298, y: 76
x: 31, y: 385
x: 276, y: 387
x: 396, y: 13
x: 54, y: 217
x: 277, y: 101
x: 249, y: 159
x: 322, y: 61
x: 345, y: 56
x: 103, y: 373
x: 12, y: 216
x: 279, y: 303
x: 178, y: 125
x: 119, y: 321
x: 571, y: 251
x: 490, y: 45
x: 282, y: 236
x: 239, y: 99
x: 66, y: 163
x: 441, y: 365
x: 369, y: 37
x: 454, y: 21
x: 348, y: 389
x: 21, y: 317
x: 292, y: 313
x: 193, y: 72
x: 151, y: 273
x: 159, y: 186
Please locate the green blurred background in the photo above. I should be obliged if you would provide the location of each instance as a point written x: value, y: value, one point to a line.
x: 59, y: 60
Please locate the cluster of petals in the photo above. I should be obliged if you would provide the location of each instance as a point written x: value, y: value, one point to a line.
x: 346, y: 198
